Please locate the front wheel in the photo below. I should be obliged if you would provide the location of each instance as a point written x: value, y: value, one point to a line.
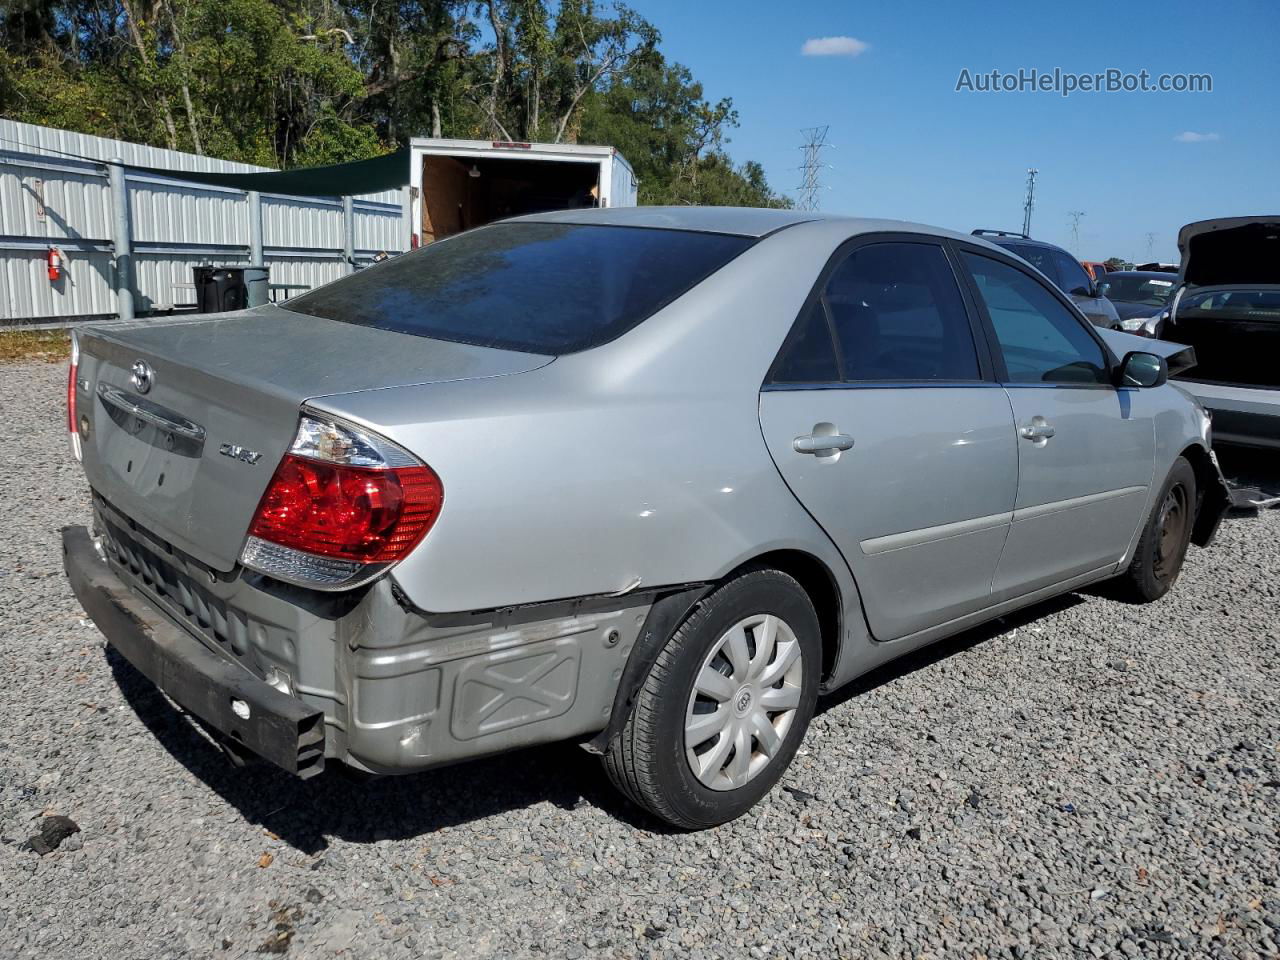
x: 1162, y: 548
x: 724, y: 706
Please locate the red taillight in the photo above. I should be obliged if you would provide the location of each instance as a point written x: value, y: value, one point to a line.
x: 363, y: 514
x: 71, y: 396
x: 73, y: 373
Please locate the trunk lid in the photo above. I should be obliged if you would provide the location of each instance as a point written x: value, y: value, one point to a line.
x: 1231, y: 250
x: 189, y: 456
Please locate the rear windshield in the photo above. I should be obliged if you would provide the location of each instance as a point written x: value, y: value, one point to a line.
x: 548, y: 288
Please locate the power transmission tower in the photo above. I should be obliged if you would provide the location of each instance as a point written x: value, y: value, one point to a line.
x: 1029, y: 202
x: 1151, y: 242
x: 1075, y: 216
x: 815, y: 138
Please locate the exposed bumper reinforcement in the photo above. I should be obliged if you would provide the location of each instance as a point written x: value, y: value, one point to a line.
x: 249, y: 711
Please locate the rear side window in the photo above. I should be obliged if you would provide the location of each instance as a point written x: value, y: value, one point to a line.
x: 1040, y: 339
x: 1039, y: 257
x: 808, y: 356
x: 547, y: 288
x: 888, y: 312
x: 898, y: 315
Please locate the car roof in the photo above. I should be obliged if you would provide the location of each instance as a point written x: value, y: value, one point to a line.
x: 740, y: 221
x: 1152, y: 274
x: 1004, y: 241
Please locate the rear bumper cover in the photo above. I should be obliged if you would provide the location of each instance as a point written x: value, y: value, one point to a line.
x: 223, y: 694
x: 374, y: 683
x: 1242, y: 415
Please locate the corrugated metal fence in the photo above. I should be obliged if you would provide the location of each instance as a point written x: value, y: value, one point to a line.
x: 48, y: 197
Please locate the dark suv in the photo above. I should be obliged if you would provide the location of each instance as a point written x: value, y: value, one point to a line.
x: 1061, y: 268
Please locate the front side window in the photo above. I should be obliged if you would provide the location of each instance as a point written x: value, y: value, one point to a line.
x: 547, y: 288
x: 1071, y: 275
x: 1040, y: 339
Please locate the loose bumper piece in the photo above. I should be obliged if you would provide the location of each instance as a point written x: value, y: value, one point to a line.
x: 223, y: 694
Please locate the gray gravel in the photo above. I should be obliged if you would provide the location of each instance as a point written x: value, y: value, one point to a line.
x: 1088, y: 779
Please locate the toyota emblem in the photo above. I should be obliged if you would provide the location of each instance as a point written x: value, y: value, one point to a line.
x: 141, y: 376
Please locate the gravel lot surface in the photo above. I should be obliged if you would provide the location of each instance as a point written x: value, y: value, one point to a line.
x: 1087, y: 779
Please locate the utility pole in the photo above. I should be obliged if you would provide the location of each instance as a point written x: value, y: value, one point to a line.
x: 1029, y: 202
x: 815, y: 138
x: 1075, y: 216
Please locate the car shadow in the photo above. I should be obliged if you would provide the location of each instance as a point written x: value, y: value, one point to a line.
x: 338, y: 803
x: 927, y: 656
x: 364, y: 809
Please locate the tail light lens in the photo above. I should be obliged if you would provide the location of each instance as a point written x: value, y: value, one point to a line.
x: 343, y: 506
x: 73, y: 371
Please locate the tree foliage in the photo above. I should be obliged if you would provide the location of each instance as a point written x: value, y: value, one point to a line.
x: 290, y: 83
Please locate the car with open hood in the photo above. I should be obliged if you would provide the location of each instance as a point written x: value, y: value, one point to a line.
x: 1227, y: 306
x: 648, y: 479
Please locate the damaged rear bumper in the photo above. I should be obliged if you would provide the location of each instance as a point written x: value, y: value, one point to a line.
x: 223, y: 694
x: 372, y: 682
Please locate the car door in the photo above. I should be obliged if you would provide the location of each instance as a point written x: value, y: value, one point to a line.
x: 1085, y: 454
x: 882, y: 416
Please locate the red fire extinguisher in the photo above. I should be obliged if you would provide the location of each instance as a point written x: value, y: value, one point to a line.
x: 55, y: 259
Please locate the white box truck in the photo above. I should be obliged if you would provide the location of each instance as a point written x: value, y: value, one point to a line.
x: 459, y: 184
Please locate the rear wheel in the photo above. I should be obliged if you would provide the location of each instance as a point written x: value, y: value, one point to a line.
x: 724, y: 706
x: 1162, y: 548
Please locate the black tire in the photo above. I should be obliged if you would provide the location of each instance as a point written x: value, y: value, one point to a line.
x: 1162, y: 548
x: 647, y: 759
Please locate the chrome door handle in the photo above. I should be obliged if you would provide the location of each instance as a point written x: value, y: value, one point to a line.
x: 1037, y: 429
x: 822, y: 444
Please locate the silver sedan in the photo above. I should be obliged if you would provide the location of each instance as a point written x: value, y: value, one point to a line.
x: 649, y: 479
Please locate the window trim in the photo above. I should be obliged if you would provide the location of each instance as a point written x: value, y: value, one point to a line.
x: 848, y: 247
x: 993, y: 342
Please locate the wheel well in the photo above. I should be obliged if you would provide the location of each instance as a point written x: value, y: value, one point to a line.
x: 1213, y: 496
x: 1206, y: 473
x: 817, y: 581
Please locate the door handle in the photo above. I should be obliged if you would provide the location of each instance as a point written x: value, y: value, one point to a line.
x: 822, y: 444
x: 1037, y: 429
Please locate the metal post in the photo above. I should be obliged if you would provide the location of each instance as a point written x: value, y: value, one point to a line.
x: 256, y: 258
x: 349, y: 234
x: 406, y: 217
x: 122, y: 241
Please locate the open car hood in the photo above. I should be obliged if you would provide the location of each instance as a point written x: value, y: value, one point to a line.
x: 1178, y: 356
x: 1231, y: 250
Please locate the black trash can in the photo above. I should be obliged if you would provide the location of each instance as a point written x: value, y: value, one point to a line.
x: 219, y: 289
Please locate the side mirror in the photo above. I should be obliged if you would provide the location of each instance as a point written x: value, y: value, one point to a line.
x: 1142, y: 370
x: 1082, y: 292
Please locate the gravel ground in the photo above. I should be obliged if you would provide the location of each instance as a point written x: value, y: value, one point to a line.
x: 1087, y: 779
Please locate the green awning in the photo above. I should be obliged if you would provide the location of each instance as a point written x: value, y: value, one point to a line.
x: 336, y: 180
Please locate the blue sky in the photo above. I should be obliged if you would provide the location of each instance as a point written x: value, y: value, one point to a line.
x: 906, y: 145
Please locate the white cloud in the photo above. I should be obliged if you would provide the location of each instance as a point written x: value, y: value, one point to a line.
x: 1190, y: 136
x: 834, y: 47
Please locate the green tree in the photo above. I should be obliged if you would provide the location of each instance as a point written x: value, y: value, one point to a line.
x: 300, y: 82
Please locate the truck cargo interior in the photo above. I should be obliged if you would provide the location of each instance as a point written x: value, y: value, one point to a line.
x: 460, y: 194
